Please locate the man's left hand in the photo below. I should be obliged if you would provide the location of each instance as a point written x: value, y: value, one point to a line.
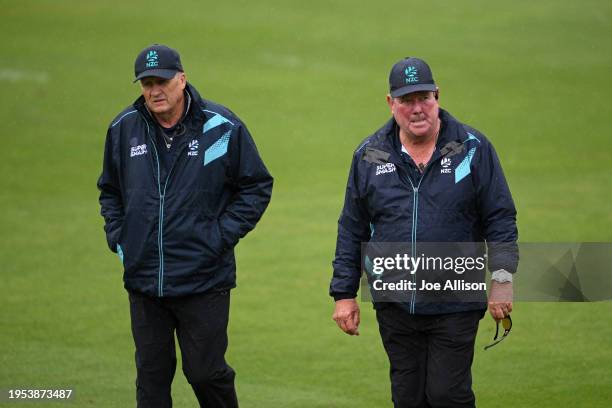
x: 500, y: 299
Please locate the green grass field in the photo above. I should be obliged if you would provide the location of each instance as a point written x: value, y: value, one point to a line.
x: 309, y: 79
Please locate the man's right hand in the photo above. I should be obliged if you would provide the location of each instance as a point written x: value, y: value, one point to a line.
x: 346, y: 316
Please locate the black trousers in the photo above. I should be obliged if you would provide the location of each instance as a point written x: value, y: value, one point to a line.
x: 430, y: 356
x: 200, y: 322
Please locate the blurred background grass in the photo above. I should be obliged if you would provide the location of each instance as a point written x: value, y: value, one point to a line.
x: 309, y: 79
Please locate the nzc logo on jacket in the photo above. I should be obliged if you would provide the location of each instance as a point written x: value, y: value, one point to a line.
x: 193, y: 148
x: 446, y: 163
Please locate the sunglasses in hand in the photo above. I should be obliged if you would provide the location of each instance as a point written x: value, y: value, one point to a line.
x: 507, y: 325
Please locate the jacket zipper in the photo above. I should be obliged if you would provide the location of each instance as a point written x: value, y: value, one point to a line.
x: 160, y: 275
x: 415, y: 218
x: 415, y: 208
x: 162, y: 196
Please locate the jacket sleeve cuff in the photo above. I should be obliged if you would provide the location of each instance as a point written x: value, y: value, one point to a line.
x: 341, y: 296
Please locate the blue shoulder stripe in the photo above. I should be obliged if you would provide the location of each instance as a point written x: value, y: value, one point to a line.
x: 471, y: 137
x: 215, y: 121
x: 123, y: 116
x: 463, y: 169
x: 217, y: 149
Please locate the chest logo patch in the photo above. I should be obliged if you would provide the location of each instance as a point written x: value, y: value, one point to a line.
x: 138, y: 150
x: 385, y: 168
x: 445, y: 163
x: 193, y: 148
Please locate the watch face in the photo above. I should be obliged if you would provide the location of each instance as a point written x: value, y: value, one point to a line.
x: 501, y: 276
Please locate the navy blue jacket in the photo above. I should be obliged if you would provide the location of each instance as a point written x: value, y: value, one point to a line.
x: 462, y: 196
x: 176, y: 234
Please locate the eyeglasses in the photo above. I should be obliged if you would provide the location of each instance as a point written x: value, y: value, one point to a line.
x: 507, y: 325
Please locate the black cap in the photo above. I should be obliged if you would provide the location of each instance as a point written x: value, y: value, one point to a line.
x: 410, y: 75
x: 157, y: 61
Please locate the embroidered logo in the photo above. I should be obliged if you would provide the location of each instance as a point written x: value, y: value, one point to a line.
x: 446, y: 163
x: 412, y: 75
x: 385, y: 168
x: 138, y: 150
x: 152, y: 59
x: 193, y: 148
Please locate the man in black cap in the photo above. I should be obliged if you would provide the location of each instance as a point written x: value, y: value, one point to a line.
x: 424, y: 177
x: 181, y: 183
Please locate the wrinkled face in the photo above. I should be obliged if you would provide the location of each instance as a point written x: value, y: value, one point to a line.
x: 416, y: 113
x: 163, y: 95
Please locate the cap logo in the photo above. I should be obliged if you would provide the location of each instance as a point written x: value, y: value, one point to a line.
x: 411, y: 75
x: 152, y: 59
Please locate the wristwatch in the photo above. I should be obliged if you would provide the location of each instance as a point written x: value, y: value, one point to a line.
x: 501, y: 276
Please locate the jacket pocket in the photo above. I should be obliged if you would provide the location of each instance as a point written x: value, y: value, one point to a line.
x: 209, y: 235
x: 137, y: 240
x: 192, y: 244
x: 217, y: 238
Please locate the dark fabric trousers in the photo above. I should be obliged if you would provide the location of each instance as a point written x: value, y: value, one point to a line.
x: 200, y: 322
x: 430, y: 356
